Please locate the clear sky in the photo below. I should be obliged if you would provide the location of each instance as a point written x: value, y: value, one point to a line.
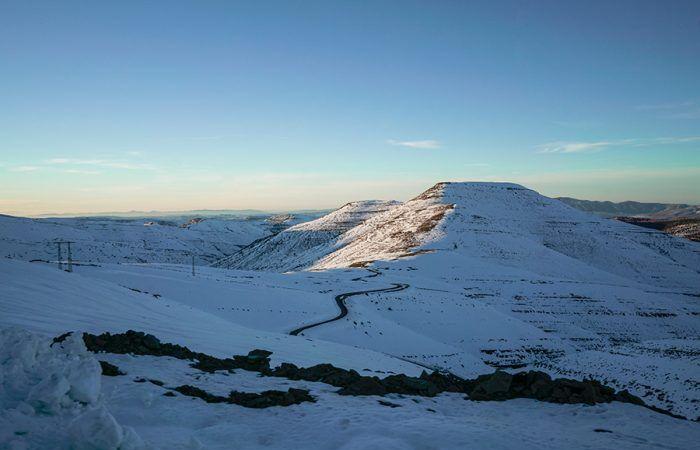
x: 174, y: 105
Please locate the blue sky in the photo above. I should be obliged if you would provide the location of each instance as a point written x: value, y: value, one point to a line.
x: 115, y: 106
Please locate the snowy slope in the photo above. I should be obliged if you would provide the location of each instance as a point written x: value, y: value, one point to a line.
x: 43, y: 299
x: 111, y: 240
x: 119, y: 411
x: 300, y: 245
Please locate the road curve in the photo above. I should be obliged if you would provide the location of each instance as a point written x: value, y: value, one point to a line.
x: 340, y: 301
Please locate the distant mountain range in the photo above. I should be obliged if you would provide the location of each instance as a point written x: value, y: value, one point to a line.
x: 677, y: 219
x: 660, y: 211
x: 187, y: 213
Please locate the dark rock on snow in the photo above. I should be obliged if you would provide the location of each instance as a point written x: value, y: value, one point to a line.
x: 263, y: 399
x: 499, y: 385
x: 110, y: 370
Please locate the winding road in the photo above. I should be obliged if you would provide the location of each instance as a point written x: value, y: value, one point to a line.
x: 340, y: 301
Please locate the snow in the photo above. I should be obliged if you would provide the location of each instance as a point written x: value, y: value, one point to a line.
x: 129, y: 415
x: 338, y: 422
x: 497, y: 275
x: 101, y: 239
x: 132, y: 415
x: 50, y: 396
x: 59, y: 302
x: 300, y: 245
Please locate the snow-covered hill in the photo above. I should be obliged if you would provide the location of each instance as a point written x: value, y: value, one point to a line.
x: 510, y: 225
x: 137, y: 240
x: 500, y: 223
x: 301, y: 245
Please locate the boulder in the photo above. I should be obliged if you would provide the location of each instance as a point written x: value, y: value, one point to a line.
x: 364, y: 386
x: 110, y: 370
x: 403, y: 384
x: 492, y: 387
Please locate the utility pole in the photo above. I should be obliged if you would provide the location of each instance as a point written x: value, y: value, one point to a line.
x: 70, y: 258
x: 192, y: 265
x: 60, y: 258
x: 69, y: 263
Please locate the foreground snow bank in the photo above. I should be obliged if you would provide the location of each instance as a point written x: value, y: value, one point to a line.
x: 50, y: 396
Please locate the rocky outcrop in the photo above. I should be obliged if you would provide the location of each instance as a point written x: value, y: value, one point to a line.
x: 540, y: 386
x: 263, y: 399
x: 497, y: 386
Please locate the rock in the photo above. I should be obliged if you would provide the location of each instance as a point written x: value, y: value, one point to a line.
x: 497, y: 386
x: 402, y: 384
x: 532, y: 384
x: 389, y: 404
x: 445, y: 382
x: 151, y: 342
x: 135, y: 342
x: 110, y: 370
x: 286, y: 370
x: 259, y: 354
x: 256, y: 361
x: 266, y: 399
x: 492, y: 387
x: 625, y: 397
x: 325, y: 373
x: 364, y: 386
x: 263, y: 399
x: 211, y: 364
x: 61, y: 338
x: 192, y: 391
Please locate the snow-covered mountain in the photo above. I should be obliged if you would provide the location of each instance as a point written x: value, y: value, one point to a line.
x: 499, y: 223
x: 301, y: 245
x: 510, y: 225
x: 137, y: 240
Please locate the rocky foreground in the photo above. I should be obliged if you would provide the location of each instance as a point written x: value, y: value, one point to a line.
x: 497, y: 386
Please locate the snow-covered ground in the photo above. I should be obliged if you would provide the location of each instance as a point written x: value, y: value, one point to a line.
x: 497, y: 275
x: 53, y: 397
x: 170, y: 239
x: 49, y: 302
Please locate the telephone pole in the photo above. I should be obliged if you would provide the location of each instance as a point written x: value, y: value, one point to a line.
x: 60, y: 258
x: 70, y: 258
x: 69, y: 262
